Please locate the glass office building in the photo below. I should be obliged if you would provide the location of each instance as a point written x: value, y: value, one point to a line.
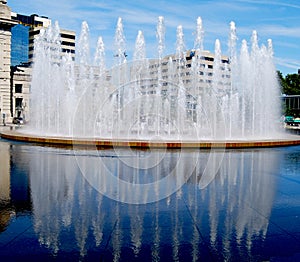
x: 19, y: 44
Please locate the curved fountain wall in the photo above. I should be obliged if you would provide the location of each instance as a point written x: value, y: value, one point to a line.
x: 167, y: 97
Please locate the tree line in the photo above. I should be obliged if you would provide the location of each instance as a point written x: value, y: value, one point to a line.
x: 290, y: 84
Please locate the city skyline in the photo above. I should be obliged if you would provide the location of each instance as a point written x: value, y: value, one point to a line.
x: 276, y: 20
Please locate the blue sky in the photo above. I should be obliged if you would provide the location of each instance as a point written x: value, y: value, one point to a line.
x: 278, y: 20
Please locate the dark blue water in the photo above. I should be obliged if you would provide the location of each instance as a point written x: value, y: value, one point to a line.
x: 126, y: 205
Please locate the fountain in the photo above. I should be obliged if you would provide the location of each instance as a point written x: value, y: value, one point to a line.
x: 123, y: 204
x: 188, y: 99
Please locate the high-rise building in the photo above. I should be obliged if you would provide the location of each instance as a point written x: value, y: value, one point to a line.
x: 28, y: 30
x: 24, y: 34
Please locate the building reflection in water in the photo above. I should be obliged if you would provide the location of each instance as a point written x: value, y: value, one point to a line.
x: 5, y: 210
x: 227, y: 214
x: 15, y: 197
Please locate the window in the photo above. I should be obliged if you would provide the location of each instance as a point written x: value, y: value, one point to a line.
x: 67, y: 36
x: 209, y: 59
x: 67, y: 43
x: 32, y: 33
x: 68, y: 51
x: 18, y: 88
x: 225, y: 61
x: 19, y: 102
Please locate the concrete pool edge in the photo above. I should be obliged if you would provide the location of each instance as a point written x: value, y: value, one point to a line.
x: 290, y: 140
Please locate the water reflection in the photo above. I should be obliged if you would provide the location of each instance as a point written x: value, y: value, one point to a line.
x: 223, y: 218
x: 240, y: 200
x: 5, y: 211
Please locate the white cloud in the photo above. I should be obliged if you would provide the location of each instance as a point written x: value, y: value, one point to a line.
x: 289, y: 63
x: 278, y: 20
x: 281, y: 31
x: 268, y: 3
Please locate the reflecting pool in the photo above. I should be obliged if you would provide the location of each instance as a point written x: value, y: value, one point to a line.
x: 70, y: 204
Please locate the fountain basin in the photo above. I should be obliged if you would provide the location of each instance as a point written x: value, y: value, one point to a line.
x: 288, y: 140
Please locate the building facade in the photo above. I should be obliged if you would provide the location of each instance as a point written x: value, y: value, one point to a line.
x: 195, y: 77
x: 6, y: 23
x: 20, y: 91
x: 291, y: 104
x: 183, y: 70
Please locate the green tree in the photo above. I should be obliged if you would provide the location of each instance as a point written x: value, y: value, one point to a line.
x: 290, y: 84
